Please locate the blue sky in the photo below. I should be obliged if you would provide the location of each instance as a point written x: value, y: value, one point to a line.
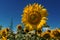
x: 14, y: 8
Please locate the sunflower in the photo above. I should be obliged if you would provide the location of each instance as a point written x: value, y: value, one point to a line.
x: 19, y: 27
x: 46, y: 35
x: 26, y: 29
x: 50, y: 33
x: 4, y: 36
x: 34, y: 15
x: 56, y: 33
x: 7, y: 31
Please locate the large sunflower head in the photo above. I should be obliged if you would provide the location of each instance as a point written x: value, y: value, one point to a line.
x: 33, y: 14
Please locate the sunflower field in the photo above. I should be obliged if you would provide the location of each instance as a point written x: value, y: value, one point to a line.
x: 34, y: 18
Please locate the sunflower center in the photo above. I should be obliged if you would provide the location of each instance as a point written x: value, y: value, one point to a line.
x: 34, y: 18
x: 46, y: 36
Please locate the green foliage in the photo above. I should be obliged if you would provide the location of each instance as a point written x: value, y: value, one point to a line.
x: 0, y: 27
